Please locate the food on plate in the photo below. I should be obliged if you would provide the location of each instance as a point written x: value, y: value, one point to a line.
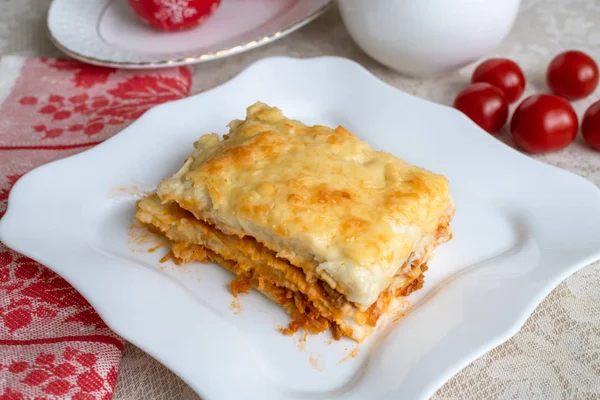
x: 503, y: 73
x: 174, y: 15
x: 484, y: 104
x: 572, y: 74
x: 332, y: 230
x: 543, y: 123
x: 590, y: 127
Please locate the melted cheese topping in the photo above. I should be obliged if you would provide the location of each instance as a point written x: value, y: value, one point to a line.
x: 316, y: 196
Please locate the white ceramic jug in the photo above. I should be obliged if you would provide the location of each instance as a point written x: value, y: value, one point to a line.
x: 424, y: 38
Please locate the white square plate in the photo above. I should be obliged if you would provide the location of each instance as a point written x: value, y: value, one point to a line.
x: 520, y: 228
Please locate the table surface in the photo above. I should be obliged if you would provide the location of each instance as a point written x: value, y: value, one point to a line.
x: 556, y: 355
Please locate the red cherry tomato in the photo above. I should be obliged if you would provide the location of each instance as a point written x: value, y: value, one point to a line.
x: 572, y: 74
x: 590, y: 127
x: 484, y: 104
x: 174, y: 15
x: 504, y: 74
x: 543, y: 123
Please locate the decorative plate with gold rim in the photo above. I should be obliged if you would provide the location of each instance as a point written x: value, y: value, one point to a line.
x: 108, y: 33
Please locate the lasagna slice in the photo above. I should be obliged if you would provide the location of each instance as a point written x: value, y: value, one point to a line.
x: 312, y: 217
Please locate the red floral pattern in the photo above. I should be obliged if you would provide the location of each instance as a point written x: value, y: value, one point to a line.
x: 38, y: 294
x: 93, y: 104
x: 68, y: 372
x: 85, y: 75
x: 53, y: 345
x: 123, y: 103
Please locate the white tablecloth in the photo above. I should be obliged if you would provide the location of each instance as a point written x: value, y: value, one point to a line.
x: 556, y: 355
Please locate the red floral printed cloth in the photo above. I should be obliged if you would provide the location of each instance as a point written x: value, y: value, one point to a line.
x: 53, y: 345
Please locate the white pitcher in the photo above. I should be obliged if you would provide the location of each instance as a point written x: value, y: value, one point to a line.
x: 424, y: 38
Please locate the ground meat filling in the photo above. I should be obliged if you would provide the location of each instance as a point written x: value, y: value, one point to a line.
x: 304, y: 315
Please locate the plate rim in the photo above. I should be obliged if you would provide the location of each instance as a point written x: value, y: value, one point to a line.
x: 189, y: 60
x: 491, y: 342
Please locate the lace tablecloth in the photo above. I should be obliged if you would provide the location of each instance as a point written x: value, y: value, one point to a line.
x: 556, y: 355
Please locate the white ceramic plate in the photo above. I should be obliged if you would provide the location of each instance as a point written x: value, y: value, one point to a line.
x: 521, y: 227
x: 107, y: 32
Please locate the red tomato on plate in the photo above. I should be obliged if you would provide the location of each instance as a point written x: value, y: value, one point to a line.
x: 503, y: 73
x: 543, y: 123
x: 590, y: 128
x: 572, y: 74
x: 484, y: 104
x: 174, y: 15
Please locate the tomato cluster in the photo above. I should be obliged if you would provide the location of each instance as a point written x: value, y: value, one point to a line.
x: 542, y: 122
